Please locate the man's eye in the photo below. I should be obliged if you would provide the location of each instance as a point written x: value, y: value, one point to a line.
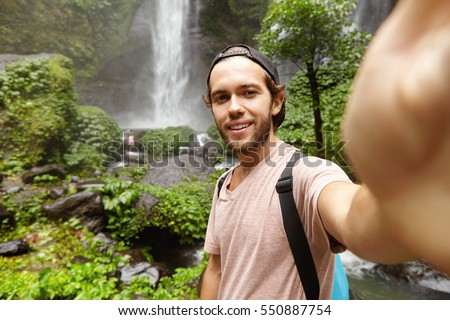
x: 250, y: 92
x: 220, y: 98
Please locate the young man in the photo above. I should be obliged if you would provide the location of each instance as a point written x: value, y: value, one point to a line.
x: 250, y: 255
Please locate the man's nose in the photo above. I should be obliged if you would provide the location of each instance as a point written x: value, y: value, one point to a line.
x: 236, y: 105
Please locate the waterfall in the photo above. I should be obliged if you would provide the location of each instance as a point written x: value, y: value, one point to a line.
x: 173, y: 75
x: 169, y: 62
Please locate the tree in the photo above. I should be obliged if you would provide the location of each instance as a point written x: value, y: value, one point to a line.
x: 320, y: 39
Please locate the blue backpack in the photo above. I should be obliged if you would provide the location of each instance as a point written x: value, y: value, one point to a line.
x: 298, y: 241
x: 341, y: 289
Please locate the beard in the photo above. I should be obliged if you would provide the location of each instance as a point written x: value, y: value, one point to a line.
x: 250, y: 145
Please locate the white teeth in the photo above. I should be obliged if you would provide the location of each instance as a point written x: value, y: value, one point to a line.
x: 238, y: 127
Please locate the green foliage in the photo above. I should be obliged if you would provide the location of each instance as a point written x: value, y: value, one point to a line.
x: 184, y: 209
x: 298, y: 127
x: 82, y: 158
x: 91, y: 129
x: 318, y: 37
x: 134, y: 173
x: 125, y: 220
x: 26, y: 79
x: 26, y: 207
x: 45, y: 179
x: 34, y: 77
x: 49, y: 270
x: 34, y: 127
x: 12, y: 165
x: 213, y: 132
x: 95, y: 127
x: 42, y: 123
x: 36, y: 104
x: 305, y: 31
x: 137, y: 173
x: 180, y: 286
x: 166, y: 142
x: 61, y: 75
x: 231, y: 21
x: 87, y: 31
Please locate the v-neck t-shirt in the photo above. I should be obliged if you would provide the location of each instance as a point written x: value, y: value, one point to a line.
x: 246, y: 229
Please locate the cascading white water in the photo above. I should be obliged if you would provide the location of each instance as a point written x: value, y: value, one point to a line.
x: 169, y: 61
x: 174, y: 73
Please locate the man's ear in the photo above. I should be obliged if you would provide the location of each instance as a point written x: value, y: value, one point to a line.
x: 277, y: 103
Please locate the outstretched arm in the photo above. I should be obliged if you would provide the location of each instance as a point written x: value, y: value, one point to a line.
x: 397, y: 125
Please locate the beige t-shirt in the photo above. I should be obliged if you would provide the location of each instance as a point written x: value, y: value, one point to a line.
x: 246, y: 228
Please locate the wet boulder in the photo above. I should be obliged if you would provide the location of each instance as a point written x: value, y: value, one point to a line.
x: 141, y: 269
x: 87, y: 206
x: 147, y: 201
x: 417, y: 272
x: 171, y: 171
x: 13, y: 248
x: 49, y: 169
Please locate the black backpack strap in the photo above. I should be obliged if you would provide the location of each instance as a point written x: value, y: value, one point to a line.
x: 295, y: 232
x: 221, y: 181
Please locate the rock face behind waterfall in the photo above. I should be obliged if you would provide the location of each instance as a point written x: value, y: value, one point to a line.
x: 8, y: 58
x: 370, y: 14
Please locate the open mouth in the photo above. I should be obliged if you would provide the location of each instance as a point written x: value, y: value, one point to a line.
x: 240, y: 126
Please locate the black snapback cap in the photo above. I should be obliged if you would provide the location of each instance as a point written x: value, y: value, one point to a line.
x: 253, y: 54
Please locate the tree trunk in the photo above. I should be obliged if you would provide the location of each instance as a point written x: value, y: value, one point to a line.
x: 315, y: 95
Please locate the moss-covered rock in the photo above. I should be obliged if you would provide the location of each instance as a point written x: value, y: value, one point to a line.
x: 37, y: 104
x: 91, y: 130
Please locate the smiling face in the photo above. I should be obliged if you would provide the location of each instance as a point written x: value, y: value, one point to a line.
x: 242, y: 105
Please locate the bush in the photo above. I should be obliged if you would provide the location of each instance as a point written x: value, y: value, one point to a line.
x: 26, y: 207
x: 125, y: 220
x: 167, y: 142
x: 36, y: 105
x: 91, y: 129
x: 184, y: 209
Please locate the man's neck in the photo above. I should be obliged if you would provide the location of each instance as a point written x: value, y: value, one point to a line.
x: 250, y: 160
x: 253, y: 157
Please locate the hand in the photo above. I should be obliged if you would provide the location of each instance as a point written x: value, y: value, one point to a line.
x: 397, y: 124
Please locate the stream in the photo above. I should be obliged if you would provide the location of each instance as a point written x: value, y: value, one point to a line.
x: 369, y: 282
